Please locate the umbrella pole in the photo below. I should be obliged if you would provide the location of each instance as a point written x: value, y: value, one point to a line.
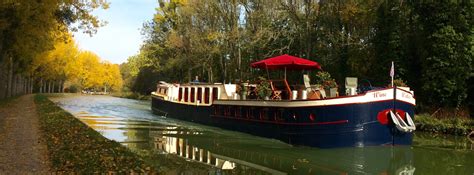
x: 285, y: 73
x: 268, y: 74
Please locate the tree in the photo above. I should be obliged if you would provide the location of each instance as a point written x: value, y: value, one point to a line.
x: 430, y: 42
x: 448, y: 61
x: 29, y: 28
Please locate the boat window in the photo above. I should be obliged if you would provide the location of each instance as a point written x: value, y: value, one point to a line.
x: 186, y: 95
x: 222, y: 111
x: 216, y: 110
x: 238, y: 112
x: 199, y: 95
x: 263, y: 114
x: 293, y: 117
x: 180, y: 94
x: 193, y: 93
x: 227, y: 111
x: 251, y: 113
x: 278, y: 115
x: 244, y: 111
x: 164, y: 91
x: 206, y: 95
x: 214, y: 93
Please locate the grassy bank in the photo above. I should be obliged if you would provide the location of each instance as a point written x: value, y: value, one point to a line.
x: 131, y: 95
x: 74, y: 147
x: 454, y: 126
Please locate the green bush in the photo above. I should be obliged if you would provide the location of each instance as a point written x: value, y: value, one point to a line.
x: 73, y: 89
x: 454, y: 125
x: 264, y: 89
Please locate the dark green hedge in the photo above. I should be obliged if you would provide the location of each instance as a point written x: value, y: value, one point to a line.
x: 453, y: 125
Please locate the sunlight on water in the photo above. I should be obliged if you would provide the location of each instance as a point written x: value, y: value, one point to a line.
x: 185, y: 147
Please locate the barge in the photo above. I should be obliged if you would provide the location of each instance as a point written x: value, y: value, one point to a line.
x: 374, y: 117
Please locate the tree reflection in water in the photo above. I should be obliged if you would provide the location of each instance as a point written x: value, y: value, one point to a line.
x: 178, y: 147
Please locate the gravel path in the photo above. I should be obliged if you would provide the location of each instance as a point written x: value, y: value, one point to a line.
x: 21, y: 149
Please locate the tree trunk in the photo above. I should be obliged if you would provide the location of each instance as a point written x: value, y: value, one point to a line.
x: 222, y: 64
x: 54, y: 86
x: 28, y: 85
x: 19, y: 86
x: 49, y: 86
x: 62, y: 86
x: 41, y: 86
x: 14, y: 85
x: 2, y: 81
x: 31, y: 85
x: 10, y: 77
x: 211, y: 80
x: 24, y: 84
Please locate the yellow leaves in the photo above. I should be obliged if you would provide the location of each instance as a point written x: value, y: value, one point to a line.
x: 67, y: 62
x: 97, y: 74
x: 174, y: 40
x: 180, y: 2
x: 212, y: 36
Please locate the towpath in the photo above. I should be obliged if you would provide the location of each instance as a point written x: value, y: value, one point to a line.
x: 21, y: 149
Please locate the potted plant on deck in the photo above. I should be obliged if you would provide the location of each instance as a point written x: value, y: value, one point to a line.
x: 324, y: 80
x: 263, y: 89
x: 330, y: 86
x: 244, y: 90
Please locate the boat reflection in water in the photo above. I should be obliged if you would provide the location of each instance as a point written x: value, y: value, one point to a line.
x: 384, y: 160
x: 177, y: 147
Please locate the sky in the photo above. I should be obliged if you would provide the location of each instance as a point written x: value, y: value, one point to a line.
x: 121, y: 37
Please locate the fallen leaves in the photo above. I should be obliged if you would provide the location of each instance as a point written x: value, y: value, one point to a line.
x: 74, y: 147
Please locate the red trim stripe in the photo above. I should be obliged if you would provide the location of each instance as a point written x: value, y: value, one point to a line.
x: 333, y: 122
x: 284, y: 123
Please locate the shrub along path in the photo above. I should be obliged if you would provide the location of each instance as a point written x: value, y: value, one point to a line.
x: 21, y: 149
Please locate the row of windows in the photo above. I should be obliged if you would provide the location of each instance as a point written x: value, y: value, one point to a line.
x: 265, y: 114
x: 162, y: 91
x: 248, y: 113
x: 190, y: 94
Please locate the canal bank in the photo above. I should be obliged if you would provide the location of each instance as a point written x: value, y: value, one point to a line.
x: 453, y: 125
x: 195, y: 147
x: 75, y: 147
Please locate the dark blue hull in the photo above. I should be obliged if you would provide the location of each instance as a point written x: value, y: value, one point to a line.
x: 328, y: 126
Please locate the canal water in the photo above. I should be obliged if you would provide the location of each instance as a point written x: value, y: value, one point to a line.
x: 179, y: 147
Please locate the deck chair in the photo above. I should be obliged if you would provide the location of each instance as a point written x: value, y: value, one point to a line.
x: 306, y: 81
x: 351, y: 85
x: 276, y: 94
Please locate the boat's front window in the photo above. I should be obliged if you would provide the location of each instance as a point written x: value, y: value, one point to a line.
x: 206, y: 95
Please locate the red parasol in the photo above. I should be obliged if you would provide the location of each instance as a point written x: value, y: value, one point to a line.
x: 286, y: 62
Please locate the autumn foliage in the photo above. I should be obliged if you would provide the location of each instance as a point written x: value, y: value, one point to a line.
x: 67, y: 65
